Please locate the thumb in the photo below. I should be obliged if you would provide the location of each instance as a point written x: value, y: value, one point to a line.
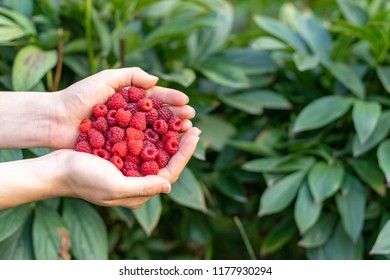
x: 145, y: 186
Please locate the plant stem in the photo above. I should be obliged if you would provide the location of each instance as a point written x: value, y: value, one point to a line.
x: 244, y: 236
x: 88, y: 33
x: 57, y: 75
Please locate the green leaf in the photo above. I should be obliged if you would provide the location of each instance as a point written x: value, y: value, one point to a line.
x: 383, y: 73
x: 87, y: 230
x: 321, y: 112
x: 10, y: 155
x: 185, y: 77
x: 347, y: 77
x: 305, y: 62
x: 279, y: 164
x: 383, y: 155
x: 13, y: 219
x: 278, y: 197
x: 319, y: 233
x: 382, y: 243
x: 30, y: 65
x: 225, y: 74
x: 10, y: 32
x: 306, y: 211
x: 325, y: 180
x: 149, y: 214
x: 49, y: 231
x: 231, y: 187
x: 21, y: 20
x: 365, y: 117
x: 41, y: 151
x: 351, y: 202
x: 188, y: 192
x: 380, y: 133
x: 268, y: 43
x: 353, y: 12
x: 103, y: 32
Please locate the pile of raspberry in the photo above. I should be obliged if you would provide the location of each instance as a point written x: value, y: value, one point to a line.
x: 134, y: 132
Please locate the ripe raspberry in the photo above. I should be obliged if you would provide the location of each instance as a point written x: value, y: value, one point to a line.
x: 123, y: 117
x: 85, y: 125
x: 117, y: 161
x: 151, y: 136
x: 159, y: 145
x: 96, y: 139
x: 172, y: 145
x: 111, y: 117
x: 107, y: 146
x: 134, y: 134
x: 116, y: 102
x: 115, y: 134
x: 82, y: 137
x: 149, y: 153
x: 160, y: 127
x: 165, y: 114
x: 145, y: 104
x: 147, y: 143
x: 136, y: 94
x: 102, y: 153
x: 128, y: 165
x: 138, y: 121
x: 133, y: 173
x: 157, y: 103
x: 132, y: 107
x: 135, y: 146
x: 162, y: 158
x: 101, y: 124
x: 119, y: 149
x: 170, y: 134
x: 124, y: 93
x: 100, y: 110
x: 83, y: 146
x: 175, y: 124
x: 149, y: 168
x: 133, y: 159
x: 151, y: 116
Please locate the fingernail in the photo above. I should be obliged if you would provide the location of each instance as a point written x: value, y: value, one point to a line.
x: 154, y: 77
x: 166, y: 188
x: 198, y: 132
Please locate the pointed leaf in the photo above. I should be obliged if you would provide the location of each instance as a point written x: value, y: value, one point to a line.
x: 365, y: 118
x: 321, y: 112
x: 278, y: 197
x: 324, y: 180
x: 319, y: 233
x: 185, y: 77
x: 278, y: 164
x: 383, y: 73
x: 305, y: 62
x: 10, y: 155
x: 383, y: 155
x: 149, y: 214
x: 225, y: 74
x: 382, y: 243
x: 13, y: 219
x: 231, y: 187
x: 353, y: 12
x: 268, y: 43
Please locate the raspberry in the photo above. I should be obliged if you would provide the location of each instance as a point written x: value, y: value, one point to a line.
x: 159, y: 145
x: 134, y: 134
x: 145, y: 104
x: 149, y: 153
x: 123, y: 117
x: 133, y: 173
x: 133, y: 159
x: 115, y: 134
x: 119, y: 149
x: 124, y: 93
x: 147, y: 143
x: 117, y: 161
x: 111, y: 117
x: 83, y: 146
x: 102, y: 153
x: 138, y: 121
x: 175, y: 124
x: 135, y: 94
x: 132, y: 107
x: 101, y: 124
x: 160, y: 127
x: 128, y: 165
x: 172, y: 145
x: 165, y: 114
x: 151, y: 116
x: 82, y: 137
x: 135, y: 146
x: 85, y: 125
x: 116, y: 102
x: 107, y: 146
x: 170, y: 134
x: 162, y: 158
x: 99, y: 110
x: 151, y: 136
x: 149, y: 168
x: 96, y: 139
x: 157, y: 103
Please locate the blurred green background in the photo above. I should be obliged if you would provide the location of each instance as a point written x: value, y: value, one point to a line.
x: 291, y: 96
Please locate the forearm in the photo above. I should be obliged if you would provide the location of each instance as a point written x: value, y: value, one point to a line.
x: 26, y: 119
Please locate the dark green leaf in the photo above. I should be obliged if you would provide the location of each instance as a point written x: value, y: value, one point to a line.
x: 10, y: 155
x: 365, y: 118
x: 13, y: 219
x: 24, y: 7
x: 268, y: 43
x: 231, y: 187
x: 279, y: 164
x: 225, y: 74
x: 103, y: 32
x: 305, y: 62
x: 21, y: 20
x: 185, y: 77
x: 383, y: 73
x: 353, y: 12
x: 87, y: 230
x: 382, y: 243
x: 149, y: 214
x: 319, y: 233
x: 383, y: 155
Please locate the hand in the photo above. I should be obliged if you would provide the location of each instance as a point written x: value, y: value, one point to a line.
x: 75, y: 102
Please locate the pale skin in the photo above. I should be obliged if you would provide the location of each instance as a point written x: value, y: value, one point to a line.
x: 36, y: 119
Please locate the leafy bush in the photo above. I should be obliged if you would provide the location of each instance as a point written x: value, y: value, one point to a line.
x: 293, y: 161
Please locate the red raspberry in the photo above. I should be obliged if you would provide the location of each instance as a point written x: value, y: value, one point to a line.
x: 128, y: 165
x: 101, y: 124
x: 133, y: 159
x: 85, y: 125
x: 119, y: 149
x: 135, y: 146
x: 149, y: 168
x: 83, y: 146
x: 157, y: 103
x: 151, y: 136
x: 159, y: 145
x: 162, y: 158
x: 117, y: 161
x: 133, y: 173
x: 175, y: 124
x: 111, y: 117
x: 172, y: 145
x: 124, y: 93
x: 102, y: 153
x: 151, y: 116
x: 147, y: 143
x: 116, y: 102
x: 134, y: 134
x: 138, y: 121
x: 149, y: 153
x: 115, y: 134
x: 132, y: 107
x: 145, y: 104
x: 123, y: 117
x: 170, y: 134
x: 165, y: 114
x: 136, y: 94
x: 100, y: 110
x: 160, y: 126
x: 82, y: 137
x: 96, y: 139
x: 107, y: 146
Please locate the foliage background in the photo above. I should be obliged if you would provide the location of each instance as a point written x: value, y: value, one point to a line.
x: 292, y: 99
